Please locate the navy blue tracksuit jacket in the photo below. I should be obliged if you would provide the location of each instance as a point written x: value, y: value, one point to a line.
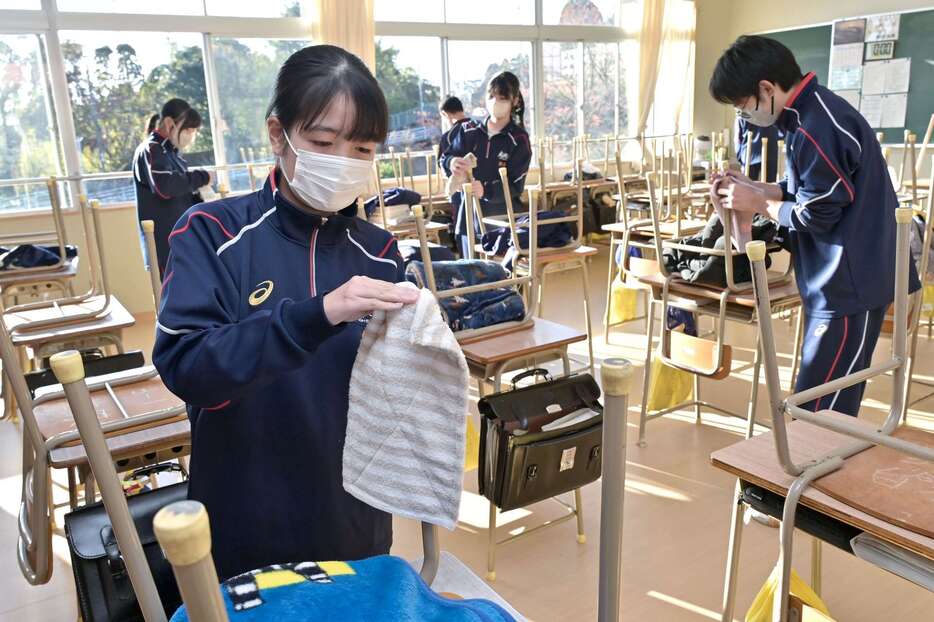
x: 841, y: 226
x: 243, y: 339
x: 509, y: 149
x: 755, y: 161
x: 165, y: 188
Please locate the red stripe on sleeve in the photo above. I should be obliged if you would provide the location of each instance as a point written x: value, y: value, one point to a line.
x: 829, y: 163
x: 206, y: 215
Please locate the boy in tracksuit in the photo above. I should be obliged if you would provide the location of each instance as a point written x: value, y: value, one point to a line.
x: 836, y: 204
x: 755, y: 160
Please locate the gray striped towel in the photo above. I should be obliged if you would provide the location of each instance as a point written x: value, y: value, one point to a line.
x: 404, y: 449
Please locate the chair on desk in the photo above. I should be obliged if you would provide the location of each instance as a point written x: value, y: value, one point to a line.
x: 40, y: 281
x: 406, y: 229
x: 734, y: 303
x: 830, y: 464
x: 494, y: 350
x: 674, y: 222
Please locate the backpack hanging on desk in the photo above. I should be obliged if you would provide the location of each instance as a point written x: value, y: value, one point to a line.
x: 520, y: 462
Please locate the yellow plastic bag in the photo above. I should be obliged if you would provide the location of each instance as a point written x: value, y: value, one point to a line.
x: 472, y: 452
x: 623, y: 302
x: 668, y: 386
x: 814, y: 609
x: 927, y: 303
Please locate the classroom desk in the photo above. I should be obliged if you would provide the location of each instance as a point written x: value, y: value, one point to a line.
x: 754, y: 461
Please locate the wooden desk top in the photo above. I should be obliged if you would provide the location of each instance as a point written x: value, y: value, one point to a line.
x: 18, y: 277
x: 131, y: 445
x: 540, y: 337
x: 118, y: 319
x: 754, y: 461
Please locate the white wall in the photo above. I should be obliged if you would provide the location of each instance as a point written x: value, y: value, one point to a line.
x: 124, y: 261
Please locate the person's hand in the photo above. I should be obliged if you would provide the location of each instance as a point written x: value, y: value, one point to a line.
x: 477, y: 188
x: 361, y: 295
x: 460, y: 166
x: 742, y: 196
x: 739, y: 176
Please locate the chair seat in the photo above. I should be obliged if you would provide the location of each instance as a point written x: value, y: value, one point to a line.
x: 67, y: 270
x: 117, y: 318
x: 557, y: 255
x: 782, y: 292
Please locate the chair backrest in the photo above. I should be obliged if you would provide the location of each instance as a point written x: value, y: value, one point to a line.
x: 515, y: 282
x: 57, y: 235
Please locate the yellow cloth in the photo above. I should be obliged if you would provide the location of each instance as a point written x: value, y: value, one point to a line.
x: 927, y: 303
x: 814, y: 608
x: 472, y: 453
x: 623, y: 302
x: 668, y: 386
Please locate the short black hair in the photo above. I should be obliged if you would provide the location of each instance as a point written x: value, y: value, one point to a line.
x: 313, y: 77
x: 452, y: 104
x: 751, y: 59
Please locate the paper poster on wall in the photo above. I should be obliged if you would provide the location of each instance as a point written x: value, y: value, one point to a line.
x: 849, y: 31
x: 851, y: 97
x: 883, y: 27
x: 894, y: 109
x: 870, y: 106
x: 845, y: 78
x: 886, y: 76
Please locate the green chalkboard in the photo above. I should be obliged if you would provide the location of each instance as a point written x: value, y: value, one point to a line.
x: 916, y: 41
x: 811, y: 47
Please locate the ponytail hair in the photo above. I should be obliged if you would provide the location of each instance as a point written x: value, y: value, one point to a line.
x: 506, y: 84
x: 180, y: 111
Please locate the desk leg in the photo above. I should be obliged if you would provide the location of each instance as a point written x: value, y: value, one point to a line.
x: 697, y: 398
x: 491, y: 545
x: 587, y: 322
x: 647, y: 371
x: 796, y: 355
x: 579, y: 511
x: 732, y: 559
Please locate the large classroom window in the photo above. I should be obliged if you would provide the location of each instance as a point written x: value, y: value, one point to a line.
x: 28, y: 147
x: 116, y: 82
x: 571, y: 57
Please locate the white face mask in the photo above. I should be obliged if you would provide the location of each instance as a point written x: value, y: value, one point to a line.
x: 328, y: 183
x: 498, y: 108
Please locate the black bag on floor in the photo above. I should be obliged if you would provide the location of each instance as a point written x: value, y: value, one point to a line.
x: 520, y: 463
x: 104, y: 589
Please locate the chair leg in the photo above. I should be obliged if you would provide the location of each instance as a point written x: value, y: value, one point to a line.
x: 579, y: 511
x: 697, y: 398
x: 732, y: 559
x: 587, y: 322
x: 646, y: 378
x: 609, y: 293
x: 796, y: 355
x: 491, y: 545
x: 754, y: 390
x: 540, y: 305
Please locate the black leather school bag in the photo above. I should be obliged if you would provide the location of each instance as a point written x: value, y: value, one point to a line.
x: 520, y: 463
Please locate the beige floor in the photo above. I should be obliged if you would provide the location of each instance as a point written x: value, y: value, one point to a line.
x: 676, y: 515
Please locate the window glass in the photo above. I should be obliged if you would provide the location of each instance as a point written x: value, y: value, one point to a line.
x: 28, y: 144
x: 490, y: 11
x: 250, y: 8
x: 246, y: 72
x: 560, y: 88
x: 580, y: 12
x: 165, y: 7
x: 409, y: 11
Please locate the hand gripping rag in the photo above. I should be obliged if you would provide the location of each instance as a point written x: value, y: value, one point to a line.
x: 404, y: 449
